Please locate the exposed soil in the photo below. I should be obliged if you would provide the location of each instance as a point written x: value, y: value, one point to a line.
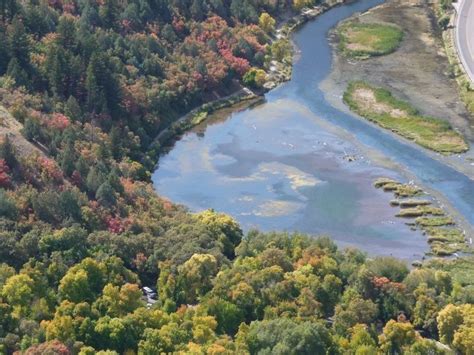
x: 417, y: 72
x: 367, y: 97
x: 10, y: 127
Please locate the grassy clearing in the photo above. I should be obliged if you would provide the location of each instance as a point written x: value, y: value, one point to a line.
x: 364, y: 40
x: 379, y: 106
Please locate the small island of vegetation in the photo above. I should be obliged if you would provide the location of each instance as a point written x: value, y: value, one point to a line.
x: 380, y: 106
x: 365, y: 40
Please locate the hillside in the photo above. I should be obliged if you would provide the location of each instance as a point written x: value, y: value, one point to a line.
x: 92, y: 261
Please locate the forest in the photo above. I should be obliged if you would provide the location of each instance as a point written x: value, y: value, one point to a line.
x: 85, y: 87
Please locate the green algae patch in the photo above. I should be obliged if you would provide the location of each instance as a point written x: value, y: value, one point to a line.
x: 365, y: 40
x: 379, y: 106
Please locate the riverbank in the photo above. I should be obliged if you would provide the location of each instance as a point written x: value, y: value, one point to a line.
x: 418, y: 72
x: 282, y: 164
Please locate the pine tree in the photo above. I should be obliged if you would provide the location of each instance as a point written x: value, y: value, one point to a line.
x: 197, y: 10
x: 67, y: 161
x: 109, y: 14
x: 72, y: 109
x: 95, y: 96
x: 17, y: 73
x: 106, y: 195
x: 103, y: 90
x: 4, y: 56
x: 7, y: 152
x: 18, y: 43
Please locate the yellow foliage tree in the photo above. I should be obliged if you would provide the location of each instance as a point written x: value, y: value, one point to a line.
x: 266, y: 22
x: 456, y: 327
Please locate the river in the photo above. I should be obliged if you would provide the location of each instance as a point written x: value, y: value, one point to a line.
x: 282, y: 165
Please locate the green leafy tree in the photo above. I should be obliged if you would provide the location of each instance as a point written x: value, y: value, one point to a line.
x: 285, y: 336
x: 83, y: 282
x: 18, y: 292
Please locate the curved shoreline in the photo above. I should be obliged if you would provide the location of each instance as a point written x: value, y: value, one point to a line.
x: 285, y: 30
x: 327, y: 118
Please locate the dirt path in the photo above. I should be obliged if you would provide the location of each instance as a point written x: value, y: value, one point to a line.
x: 10, y: 127
x: 417, y: 72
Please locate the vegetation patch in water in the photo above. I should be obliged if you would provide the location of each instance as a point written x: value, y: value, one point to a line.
x: 410, y: 203
x: 420, y: 211
x: 443, y: 237
x: 446, y: 235
x: 379, y: 106
x: 365, y: 40
x: 434, y: 221
x: 399, y: 189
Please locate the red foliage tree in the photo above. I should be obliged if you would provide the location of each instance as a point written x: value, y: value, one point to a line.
x: 54, y: 347
x: 5, y: 180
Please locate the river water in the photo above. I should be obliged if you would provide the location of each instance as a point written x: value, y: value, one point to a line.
x: 282, y: 165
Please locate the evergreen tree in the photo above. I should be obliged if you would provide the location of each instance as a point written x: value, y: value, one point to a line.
x: 18, y: 43
x: 67, y: 161
x: 106, y: 195
x: 4, y: 56
x: 95, y: 178
x: 114, y: 180
x: 197, y: 10
x: 72, y: 109
x: 109, y: 13
x: 31, y: 130
x: 17, y: 73
x: 116, y: 143
x: 103, y: 92
x: 7, y: 152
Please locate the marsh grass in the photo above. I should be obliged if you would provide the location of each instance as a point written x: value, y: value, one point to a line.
x: 364, y: 40
x: 424, y: 222
x: 420, y: 211
x: 410, y: 203
x: 380, y: 106
x: 443, y: 236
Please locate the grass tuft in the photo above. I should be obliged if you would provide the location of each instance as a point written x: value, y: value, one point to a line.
x: 365, y: 40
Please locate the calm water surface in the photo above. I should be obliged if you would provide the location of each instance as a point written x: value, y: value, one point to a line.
x: 281, y: 166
